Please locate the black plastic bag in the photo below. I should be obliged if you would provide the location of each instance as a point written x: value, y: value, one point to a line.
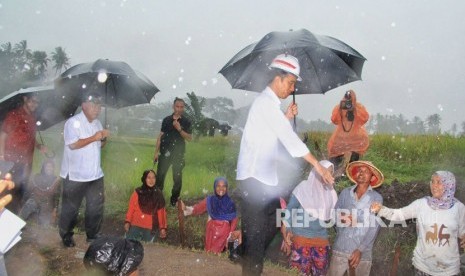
x: 114, y: 255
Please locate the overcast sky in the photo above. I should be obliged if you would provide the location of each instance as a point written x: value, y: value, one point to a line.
x: 414, y: 49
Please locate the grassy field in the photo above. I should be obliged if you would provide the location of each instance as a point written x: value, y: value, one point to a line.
x: 403, y: 159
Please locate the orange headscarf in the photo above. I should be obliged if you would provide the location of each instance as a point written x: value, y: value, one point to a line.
x: 349, y: 136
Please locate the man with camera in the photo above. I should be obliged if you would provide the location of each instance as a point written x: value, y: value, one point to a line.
x: 349, y: 140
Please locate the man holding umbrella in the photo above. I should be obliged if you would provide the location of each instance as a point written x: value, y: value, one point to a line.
x: 17, y: 144
x: 266, y: 134
x: 81, y: 171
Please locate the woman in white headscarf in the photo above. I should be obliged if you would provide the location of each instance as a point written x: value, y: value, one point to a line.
x: 310, y: 205
x: 440, y: 222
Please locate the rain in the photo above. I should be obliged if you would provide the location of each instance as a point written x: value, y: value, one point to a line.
x: 413, y: 74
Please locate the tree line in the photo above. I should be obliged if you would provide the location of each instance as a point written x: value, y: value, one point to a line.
x: 21, y: 67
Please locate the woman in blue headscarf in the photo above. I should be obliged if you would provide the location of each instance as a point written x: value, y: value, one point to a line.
x: 222, y: 217
x: 440, y: 222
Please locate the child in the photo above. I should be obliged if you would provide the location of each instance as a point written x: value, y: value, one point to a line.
x: 222, y: 219
x: 146, y: 211
x: 44, y: 194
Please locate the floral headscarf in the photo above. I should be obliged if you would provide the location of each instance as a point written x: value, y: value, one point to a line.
x: 447, y: 200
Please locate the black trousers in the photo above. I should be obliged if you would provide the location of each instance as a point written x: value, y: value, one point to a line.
x: 20, y: 175
x: 177, y: 162
x: 258, y: 222
x: 73, y: 194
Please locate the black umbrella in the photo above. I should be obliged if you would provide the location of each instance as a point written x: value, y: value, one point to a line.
x: 325, y: 62
x: 116, y: 81
x: 46, y: 114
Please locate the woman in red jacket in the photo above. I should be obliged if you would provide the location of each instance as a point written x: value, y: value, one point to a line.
x: 146, y: 212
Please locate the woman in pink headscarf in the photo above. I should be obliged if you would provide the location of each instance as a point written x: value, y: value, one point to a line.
x: 440, y: 222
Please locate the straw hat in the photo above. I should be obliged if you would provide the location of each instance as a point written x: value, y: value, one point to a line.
x: 352, y: 169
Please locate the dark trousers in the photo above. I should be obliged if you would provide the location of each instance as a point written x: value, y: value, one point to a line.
x: 20, y: 176
x: 73, y: 194
x: 258, y: 222
x: 177, y: 163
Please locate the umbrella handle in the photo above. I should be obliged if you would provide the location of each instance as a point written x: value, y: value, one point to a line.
x: 295, y: 120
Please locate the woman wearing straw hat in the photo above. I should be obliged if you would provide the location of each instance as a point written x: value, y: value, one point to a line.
x: 356, y: 225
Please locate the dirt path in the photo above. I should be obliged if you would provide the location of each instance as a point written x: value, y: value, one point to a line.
x: 41, y: 253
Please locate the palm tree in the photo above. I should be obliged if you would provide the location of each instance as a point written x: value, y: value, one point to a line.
x: 39, y: 62
x: 61, y: 59
x: 23, y: 55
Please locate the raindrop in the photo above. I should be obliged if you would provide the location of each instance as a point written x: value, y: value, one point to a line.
x: 204, y: 191
x: 383, y: 58
x: 27, y: 67
x: 393, y: 24
x: 214, y: 80
x: 102, y: 77
x: 38, y: 12
x: 143, y: 33
x: 84, y: 86
x: 135, y: 159
x: 174, y: 86
x: 204, y: 83
x: 402, y: 140
x: 1, y: 27
x: 187, y: 42
x: 322, y: 60
x: 1, y: 5
x: 38, y: 123
x: 180, y: 79
x: 182, y: 71
x: 440, y: 107
x: 198, y: 260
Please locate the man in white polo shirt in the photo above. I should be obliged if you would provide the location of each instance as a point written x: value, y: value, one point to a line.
x: 267, y: 133
x: 81, y: 171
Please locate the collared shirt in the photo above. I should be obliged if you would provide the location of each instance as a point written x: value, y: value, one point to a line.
x: 362, y: 236
x: 20, y: 128
x: 172, y: 141
x: 266, y: 134
x: 82, y: 164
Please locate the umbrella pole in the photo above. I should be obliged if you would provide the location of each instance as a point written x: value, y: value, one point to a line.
x: 106, y: 104
x: 295, y: 122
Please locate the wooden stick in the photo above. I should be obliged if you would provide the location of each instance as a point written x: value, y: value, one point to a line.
x: 395, y: 261
x: 182, y: 235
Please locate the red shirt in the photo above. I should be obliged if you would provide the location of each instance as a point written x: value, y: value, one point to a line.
x: 135, y: 216
x: 20, y: 128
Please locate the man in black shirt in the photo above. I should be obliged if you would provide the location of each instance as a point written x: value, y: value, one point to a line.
x: 171, y: 145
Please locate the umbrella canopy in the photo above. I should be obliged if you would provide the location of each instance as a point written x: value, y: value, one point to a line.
x: 325, y: 62
x: 47, y: 113
x: 116, y: 81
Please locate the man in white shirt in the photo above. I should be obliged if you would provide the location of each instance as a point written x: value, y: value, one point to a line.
x: 81, y: 171
x: 266, y: 134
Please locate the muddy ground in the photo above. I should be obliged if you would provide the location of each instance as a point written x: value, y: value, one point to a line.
x: 41, y: 252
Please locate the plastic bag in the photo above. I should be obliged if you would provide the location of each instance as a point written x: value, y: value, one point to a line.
x: 117, y: 256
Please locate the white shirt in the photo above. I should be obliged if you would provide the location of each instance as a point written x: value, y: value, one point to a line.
x: 81, y: 164
x: 437, y: 249
x: 266, y: 132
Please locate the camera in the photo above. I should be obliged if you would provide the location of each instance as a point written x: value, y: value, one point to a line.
x: 347, y: 102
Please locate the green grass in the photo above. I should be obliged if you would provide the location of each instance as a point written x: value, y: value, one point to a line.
x: 402, y: 158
